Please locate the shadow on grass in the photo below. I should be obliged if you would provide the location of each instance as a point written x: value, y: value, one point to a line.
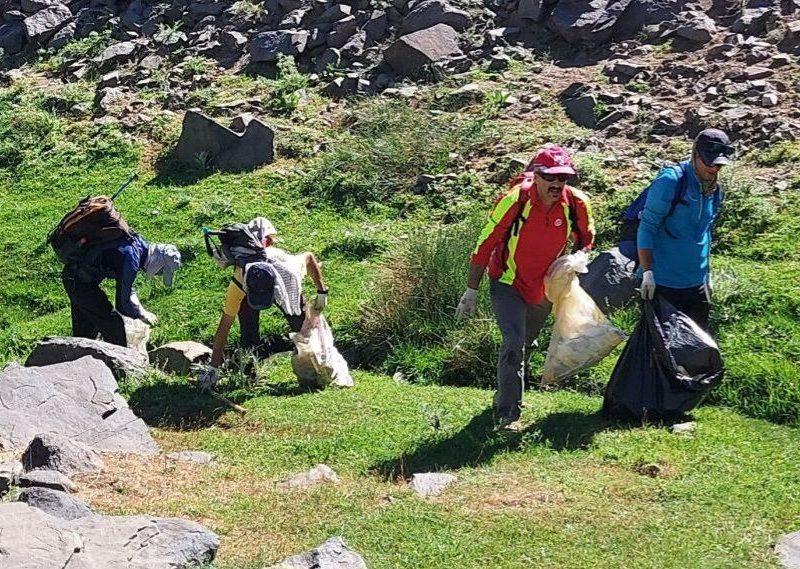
x: 171, y: 173
x: 572, y: 430
x: 175, y: 406
x: 477, y: 443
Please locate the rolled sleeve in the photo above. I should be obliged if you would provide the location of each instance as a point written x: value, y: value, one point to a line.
x: 659, y: 199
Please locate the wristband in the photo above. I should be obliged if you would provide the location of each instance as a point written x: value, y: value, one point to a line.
x: 322, y: 291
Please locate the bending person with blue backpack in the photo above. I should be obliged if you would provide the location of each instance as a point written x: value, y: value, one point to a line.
x: 672, y: 221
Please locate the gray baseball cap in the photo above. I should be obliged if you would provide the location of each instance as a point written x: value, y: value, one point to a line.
x: 714, y: 147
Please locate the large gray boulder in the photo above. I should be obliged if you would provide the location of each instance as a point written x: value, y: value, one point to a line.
x: 267, y: 46
x: 77, y: 399
x: 593, y: 21
x: 43, y: 24
x: 179, y: 357
x: 788, y: 550
x: 221, y: 147
x: 108, y: 542
x: 333, y: 554
x: 57, y: 504
x: 51, y: 479
x: 610, y: 281
x: 411, y: 52
x: 123, y: 362
x: 431, y: 12
x: 12, y: 37
x: 53, y: 451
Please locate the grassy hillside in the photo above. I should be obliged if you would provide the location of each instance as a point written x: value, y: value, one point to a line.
x: 570, y: 491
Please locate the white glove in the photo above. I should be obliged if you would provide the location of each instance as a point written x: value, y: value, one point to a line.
x: 148, y: 317
x: 468, y: 304
x: 321, y: 301
x: 209, y: 378
x: 648, y: 288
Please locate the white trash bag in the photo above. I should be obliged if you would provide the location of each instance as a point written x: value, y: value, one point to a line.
x: 317, y: 362
x: 582, y: 335
x: 137, y: 334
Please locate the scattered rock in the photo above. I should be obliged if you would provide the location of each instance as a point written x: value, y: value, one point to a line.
x: 124, y: 362
x: 769, y: 100
x: 697, y: 27
x: 267, y: 46
x: 581, y: 109
x: 130, y: 542
x: 12, y: 37
x: 58, y: 504
x: 195, y: 456
x: 43, y: 24
x: 77, y: 399
x: 431, y: 483
x: 53, y: 451
x: 429, y: 13
x: 333, y: 554
x: 683, y: 428
x: 409, y: 54
x: 788, y: 550
x: 116, y: 54
x: 178, y: 357
x: 594, y: 21
x: 320, y: 474
x: 46, y: 479
x: 202, y: 138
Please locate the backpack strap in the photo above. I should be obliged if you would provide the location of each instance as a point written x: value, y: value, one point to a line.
x: 680, y: 193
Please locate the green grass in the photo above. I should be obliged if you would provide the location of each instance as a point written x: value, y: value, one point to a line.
x: 567, y: 492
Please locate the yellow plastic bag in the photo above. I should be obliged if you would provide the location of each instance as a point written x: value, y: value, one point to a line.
x: 582, y: 336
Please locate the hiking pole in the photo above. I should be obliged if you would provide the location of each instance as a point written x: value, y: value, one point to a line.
x: 128, y: 182
x: 219, y: 397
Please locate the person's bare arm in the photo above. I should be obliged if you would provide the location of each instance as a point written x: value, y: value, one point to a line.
x: 315, y: 271
x: 475, y: 276
x: 220, y: 338
x: 645, y: 259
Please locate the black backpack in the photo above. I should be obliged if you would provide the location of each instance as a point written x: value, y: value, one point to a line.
x: 237, y: 245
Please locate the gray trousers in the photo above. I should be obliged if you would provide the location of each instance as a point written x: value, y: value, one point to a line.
x: 520, y: 324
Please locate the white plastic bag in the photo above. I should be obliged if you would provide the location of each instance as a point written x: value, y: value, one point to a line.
x: 317, y: 362
x: 582, y: 336
x: 137, y: 334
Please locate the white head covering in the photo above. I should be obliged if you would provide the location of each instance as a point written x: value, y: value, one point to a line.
x: 262, y: 227
x: 162, y: 260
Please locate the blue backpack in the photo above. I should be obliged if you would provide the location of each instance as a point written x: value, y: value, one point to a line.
x: 633, y: 214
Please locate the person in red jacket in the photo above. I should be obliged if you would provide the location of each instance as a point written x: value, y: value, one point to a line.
x: 527, y: 230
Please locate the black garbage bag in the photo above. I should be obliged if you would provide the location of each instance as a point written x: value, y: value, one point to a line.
x: 668, y: 365
x: 611, y: 280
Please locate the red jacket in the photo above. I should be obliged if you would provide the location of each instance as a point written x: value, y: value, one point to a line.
x: 521, y: 257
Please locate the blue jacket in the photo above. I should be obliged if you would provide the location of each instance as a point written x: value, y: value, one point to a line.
x: 680, y: 261
x: 121, y: 259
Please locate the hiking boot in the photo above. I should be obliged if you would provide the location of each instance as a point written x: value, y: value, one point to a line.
x: 509, y: 425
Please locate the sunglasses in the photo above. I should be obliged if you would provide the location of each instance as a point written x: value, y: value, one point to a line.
x: 718, y: 149
x: 553, y: 177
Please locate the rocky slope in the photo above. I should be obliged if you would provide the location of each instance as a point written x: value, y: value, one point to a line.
x: 668, y: 67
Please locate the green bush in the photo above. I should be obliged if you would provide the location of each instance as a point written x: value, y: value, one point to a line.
x: 418, y: 290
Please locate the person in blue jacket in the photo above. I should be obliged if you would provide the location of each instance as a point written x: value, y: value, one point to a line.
x: 674, y: 249
x: 120, y: 259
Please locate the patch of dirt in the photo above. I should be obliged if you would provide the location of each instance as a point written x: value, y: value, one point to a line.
x: 660, y: 469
